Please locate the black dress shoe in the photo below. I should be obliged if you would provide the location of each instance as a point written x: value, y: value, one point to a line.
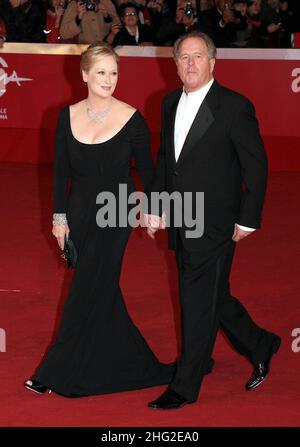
x: 36, y: 387
x: 262, y: 369
x: 169, y: 400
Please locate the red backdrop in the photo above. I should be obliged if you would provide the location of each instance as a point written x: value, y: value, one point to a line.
x: 33, y: 87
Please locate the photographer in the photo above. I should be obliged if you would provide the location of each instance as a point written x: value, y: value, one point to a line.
x: 24, y: 20
x: 2, y: 31
x: 243, y: 30
x: 220, y: 23
x: 131, y: 31
x: 55, y: 10
x: 88, y: 20
x: 280, y: 23
x: 172, y: 27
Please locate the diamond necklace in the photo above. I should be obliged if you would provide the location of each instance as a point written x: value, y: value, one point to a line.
x: 97, y: 117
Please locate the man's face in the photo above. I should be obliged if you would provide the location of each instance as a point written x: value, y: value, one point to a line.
x: 255, y: 8
x: 194, y: 67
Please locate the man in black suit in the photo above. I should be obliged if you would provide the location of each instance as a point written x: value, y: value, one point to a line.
x: 210, y: 142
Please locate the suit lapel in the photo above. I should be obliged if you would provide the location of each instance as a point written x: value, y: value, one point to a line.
x: 203, y: 120
x: 171, y: 126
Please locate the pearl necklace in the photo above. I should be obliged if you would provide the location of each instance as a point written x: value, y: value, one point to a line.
x: 97, y: 117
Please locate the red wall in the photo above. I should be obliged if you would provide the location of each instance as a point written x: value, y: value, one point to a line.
x: 29, y: 108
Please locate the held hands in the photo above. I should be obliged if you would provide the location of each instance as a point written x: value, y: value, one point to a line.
x: 59, y: 231
x: 239, y: 233
x: 154, y: 223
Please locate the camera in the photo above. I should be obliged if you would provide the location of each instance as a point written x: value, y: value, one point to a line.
x: 89, y: 5
x: 188, y: 9
x: 237, y: 14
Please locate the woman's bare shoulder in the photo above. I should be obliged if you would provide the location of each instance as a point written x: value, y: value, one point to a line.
x: 77, y: 106
x: 124, y: 108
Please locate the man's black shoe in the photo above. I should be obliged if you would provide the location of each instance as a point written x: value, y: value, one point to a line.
x: 262, y: 369
x: 169, y: 400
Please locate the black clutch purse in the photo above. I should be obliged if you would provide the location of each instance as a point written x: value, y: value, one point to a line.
x: 70, y: 252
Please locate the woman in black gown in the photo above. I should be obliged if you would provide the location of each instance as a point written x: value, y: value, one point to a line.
x: 97, y: 349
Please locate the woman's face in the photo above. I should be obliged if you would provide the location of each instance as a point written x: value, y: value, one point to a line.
x: 102, y: 77
x: 130, y: 17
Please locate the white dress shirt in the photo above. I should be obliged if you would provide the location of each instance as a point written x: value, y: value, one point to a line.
x: 136, y: 35
x: 188, y: 106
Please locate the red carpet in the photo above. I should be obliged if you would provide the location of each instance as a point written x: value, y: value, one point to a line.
x: 33, y: 284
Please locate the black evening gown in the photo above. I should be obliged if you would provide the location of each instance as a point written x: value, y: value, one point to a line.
x: 98, y: 349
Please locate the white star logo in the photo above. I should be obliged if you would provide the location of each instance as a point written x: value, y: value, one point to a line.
x: 6, y: 79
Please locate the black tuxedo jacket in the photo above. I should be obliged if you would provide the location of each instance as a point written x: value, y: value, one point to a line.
x: 222, y: 156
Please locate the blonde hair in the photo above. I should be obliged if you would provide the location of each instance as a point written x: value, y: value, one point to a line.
x: 93, y: 52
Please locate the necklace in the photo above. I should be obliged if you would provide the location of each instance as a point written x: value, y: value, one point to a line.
x: 97, y: 117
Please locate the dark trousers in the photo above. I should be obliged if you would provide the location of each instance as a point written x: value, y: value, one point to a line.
x: 207, y: 305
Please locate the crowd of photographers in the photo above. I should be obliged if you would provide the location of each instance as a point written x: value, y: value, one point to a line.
x: 231, y: 23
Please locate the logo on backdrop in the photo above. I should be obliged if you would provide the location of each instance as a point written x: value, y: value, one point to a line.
x: 6, y: 78
x: 296, y: 82
x: 296, y: 342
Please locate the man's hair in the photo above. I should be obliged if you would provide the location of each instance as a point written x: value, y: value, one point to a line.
x: 95, y: 51
x: 211, y: 48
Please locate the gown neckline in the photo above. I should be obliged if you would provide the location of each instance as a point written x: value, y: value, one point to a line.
x: 102, y: 142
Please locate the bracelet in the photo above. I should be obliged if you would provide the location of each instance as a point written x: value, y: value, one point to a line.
x: 59, y: 219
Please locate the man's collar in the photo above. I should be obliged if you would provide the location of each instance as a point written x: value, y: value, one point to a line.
x: 199, y: 92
